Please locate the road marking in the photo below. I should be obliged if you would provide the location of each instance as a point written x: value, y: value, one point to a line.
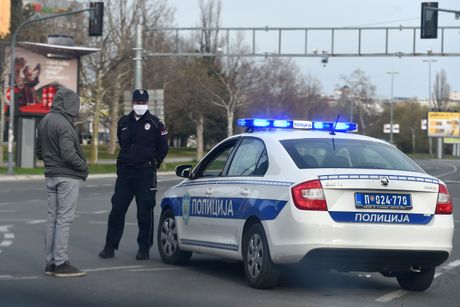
x: 92, y: 212
x: 398, y: 293
x: 155, y: 269
x: 114, y: 268
x: 448, y: 173
x: 7, y: 236
x: 391, y: 296
x: 10, y: 277
x: 105, y: 223
x: 457, y: 221
x: 33, y: 222
x: 7, y: 211
x: 451, y: 181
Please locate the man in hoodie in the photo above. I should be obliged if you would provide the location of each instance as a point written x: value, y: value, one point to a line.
x: 65, y: 169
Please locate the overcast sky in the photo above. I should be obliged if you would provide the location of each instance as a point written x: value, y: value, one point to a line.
x: 412, y: 79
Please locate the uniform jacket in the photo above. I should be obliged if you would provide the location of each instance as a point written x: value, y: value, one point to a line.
x: 141, y: 141
x: 57, y: 142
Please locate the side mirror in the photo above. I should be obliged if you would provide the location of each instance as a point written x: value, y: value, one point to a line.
x: 184, y: 170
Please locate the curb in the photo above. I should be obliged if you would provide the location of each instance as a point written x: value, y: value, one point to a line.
x: 4, y: 178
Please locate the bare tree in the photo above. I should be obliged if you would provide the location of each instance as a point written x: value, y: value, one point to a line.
x: 441, y: 91
x: 362, y: 93
x: 234, y: 78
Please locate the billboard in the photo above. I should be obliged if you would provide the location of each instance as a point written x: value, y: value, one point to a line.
x: 443, y: 124
x: 37, y: 78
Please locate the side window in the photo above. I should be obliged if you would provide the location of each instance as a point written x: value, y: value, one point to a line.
x: 214, y: 163
x: 250, y: 159
x: 216, y: 166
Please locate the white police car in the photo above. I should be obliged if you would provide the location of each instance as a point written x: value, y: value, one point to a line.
x: 322, y: 196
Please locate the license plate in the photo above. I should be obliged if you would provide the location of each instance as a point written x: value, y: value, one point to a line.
x: 383, y: 201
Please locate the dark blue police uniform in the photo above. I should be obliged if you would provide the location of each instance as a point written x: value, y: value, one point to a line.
x: 143, y: 146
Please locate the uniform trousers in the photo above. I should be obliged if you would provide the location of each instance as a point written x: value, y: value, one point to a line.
x: 138, y: 183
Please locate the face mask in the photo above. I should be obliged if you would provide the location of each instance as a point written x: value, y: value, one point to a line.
x: 140, y: 109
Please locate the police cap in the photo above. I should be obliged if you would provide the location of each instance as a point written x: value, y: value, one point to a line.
x: 140, y: 95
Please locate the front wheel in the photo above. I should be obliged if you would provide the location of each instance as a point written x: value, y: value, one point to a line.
x: 259, y: 269
x: 416, y: 281
x: 167, y: 240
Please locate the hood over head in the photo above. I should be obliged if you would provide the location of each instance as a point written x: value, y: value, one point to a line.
x: 67, y: 102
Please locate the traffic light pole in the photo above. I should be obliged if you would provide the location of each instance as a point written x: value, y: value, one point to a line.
x: 13, y: 79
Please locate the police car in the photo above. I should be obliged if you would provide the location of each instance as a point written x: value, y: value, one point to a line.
x: 291, y: 191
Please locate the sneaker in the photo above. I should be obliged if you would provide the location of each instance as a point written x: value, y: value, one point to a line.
x: 66, y: 270
x: 50, y: 269
x: 107, y: 252
x: 142, y: 255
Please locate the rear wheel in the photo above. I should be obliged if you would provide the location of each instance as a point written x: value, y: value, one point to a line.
x: 167, y: 240
x: 260, y: 271
x: 416, y: 281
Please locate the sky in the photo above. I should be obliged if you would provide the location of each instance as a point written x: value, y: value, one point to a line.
x: 413, y: 73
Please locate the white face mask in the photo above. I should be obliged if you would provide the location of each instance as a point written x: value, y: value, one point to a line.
x: 140, y: 109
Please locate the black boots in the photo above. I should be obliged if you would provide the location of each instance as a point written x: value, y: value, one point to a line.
x: 142, y: 255
x: 107, y: 252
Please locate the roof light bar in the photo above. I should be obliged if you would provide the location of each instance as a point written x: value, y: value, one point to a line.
x: 257, y: 123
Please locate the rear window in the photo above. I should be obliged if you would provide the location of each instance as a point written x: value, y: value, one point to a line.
x: 324, y: 153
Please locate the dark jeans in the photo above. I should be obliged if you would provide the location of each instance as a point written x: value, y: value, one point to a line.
x: 139, y: 183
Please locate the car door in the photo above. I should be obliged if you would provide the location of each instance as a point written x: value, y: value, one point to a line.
x: 235, y: 193
x: 197, y: 200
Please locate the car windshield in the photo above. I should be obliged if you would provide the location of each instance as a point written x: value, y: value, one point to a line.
x: 343, y: 153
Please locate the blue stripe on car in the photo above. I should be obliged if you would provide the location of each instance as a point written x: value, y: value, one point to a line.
x: 256, y: 182
x: 230, y: 208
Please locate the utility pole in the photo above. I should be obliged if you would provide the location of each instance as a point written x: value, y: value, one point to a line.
x: 139, y: 49
x: 392, y: 73
x: 430, y: 140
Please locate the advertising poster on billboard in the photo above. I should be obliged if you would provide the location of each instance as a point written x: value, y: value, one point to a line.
x: 443, y: 124
x: 37, y: 78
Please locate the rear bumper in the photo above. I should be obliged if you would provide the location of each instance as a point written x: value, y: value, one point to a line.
x: 371, y: 260
x: 297, y: 237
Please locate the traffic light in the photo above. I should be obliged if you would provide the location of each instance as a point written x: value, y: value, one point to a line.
x: 96, y: 18
x: 429, y: 26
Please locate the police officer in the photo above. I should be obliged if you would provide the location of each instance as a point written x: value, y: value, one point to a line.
x: 143, y: 146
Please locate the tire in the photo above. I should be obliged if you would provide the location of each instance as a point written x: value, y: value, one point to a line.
x: 167, y: 240
x: 416, y: 281
x: 259, y: 269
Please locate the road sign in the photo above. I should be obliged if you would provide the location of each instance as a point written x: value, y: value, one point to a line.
x: 423, y: 124
x: 386, y: 128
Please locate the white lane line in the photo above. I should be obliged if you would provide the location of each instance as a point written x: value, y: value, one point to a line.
x: 92, y: 212
x: 105, y: 223
x: 451, y: 181
x: 6, y: 243
x: 398, y: 293
x: 9, y: 236
x: 457, y: 221
x: 33, y: 222
x: 114, y: 268
x: 448, y: 173
x: 155, y: 269
x: 391, y: 296
x: 10, y: 277
x: 7, y: 211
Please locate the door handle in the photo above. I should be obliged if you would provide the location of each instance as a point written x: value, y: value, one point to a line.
x: 208, y: 191
x: 244, y: 192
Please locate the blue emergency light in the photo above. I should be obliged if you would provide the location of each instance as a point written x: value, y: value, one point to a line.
x: 259, y: 123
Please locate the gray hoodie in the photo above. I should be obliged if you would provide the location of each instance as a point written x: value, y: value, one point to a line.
x: 57, y: 140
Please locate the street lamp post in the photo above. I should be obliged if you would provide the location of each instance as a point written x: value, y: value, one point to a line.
x: 429, y: 96
x: 392, y: 73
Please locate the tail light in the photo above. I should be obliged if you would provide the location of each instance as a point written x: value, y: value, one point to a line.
x: 309, y: 195
x: 444, y: 203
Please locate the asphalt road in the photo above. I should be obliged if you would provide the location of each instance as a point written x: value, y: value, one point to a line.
x: 205, y: 281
